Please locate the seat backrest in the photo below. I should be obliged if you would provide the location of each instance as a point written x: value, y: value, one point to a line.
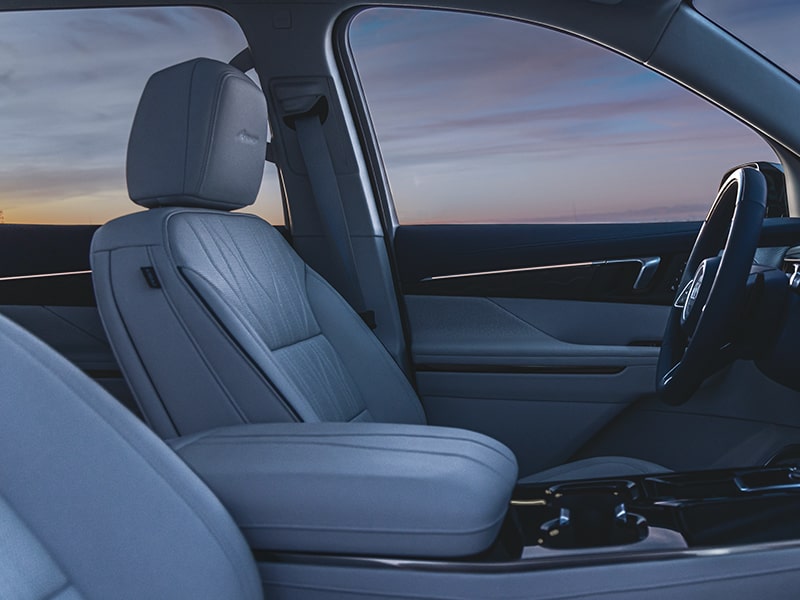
x: 92, y: 503
x: 213, y: 317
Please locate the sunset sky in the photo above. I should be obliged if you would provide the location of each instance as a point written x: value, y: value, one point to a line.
x: 484, y: 119
x: 479, y: 119
x: 69, y: 85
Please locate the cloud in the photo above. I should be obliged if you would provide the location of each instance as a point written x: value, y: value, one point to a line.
x: 484, y: 119
x: 478, y: 118
x: 68, y: 92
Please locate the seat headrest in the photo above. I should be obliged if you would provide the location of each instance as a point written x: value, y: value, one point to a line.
x: 199, y: 138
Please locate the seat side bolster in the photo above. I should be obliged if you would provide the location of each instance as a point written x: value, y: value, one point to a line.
x: 128, y: 359
x: 387, y: 393
x: 184, y: 369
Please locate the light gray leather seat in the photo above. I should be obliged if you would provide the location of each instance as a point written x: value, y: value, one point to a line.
x: 213, y: 317
x: 93, y: 504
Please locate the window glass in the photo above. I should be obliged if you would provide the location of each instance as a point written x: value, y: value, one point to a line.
x: 769, y: 26
x: 487, y: 120
x: 69, y: 85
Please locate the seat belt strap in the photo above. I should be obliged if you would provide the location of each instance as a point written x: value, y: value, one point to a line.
x: 328, y: 200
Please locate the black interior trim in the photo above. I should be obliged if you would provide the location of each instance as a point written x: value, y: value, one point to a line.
x: 431, y: 250
x: 103, y: 373
x: 426, y: 251
x: 566, y: 561
x: 521, y: 369
x: 31, y: 249
x: 64, y: 290
x: 506, y: 257
x: 58, y: 254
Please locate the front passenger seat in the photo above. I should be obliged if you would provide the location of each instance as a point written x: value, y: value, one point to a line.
x: 214, y: 319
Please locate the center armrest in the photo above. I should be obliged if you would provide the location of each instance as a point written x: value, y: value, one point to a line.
x: 357, y: 488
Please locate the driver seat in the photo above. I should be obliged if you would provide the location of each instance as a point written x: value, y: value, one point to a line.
x: 214, y: 319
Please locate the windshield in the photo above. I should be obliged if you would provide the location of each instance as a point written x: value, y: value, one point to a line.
x: 769, y: 26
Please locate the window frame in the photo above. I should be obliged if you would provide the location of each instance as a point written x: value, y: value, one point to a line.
x: 357, y: 102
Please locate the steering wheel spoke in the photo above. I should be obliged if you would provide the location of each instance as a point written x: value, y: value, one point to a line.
x: 680, y: 299
x: 697, y: 338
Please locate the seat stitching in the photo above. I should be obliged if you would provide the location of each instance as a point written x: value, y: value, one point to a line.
x: 298, y: 277
x: 251, y: 314
x: 325, y: 370
x: 266, y: 353
x: 452, y: 434
x: 245, y: 266
x: 256, y: 283
x: 363, y: 412
x: 377, y: 447
x: 394, y: 369
x: 231, y: 279
x: 300, y: 341
x: 63, y: 588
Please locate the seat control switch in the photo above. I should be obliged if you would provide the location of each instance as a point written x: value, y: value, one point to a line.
x: 150, y: 277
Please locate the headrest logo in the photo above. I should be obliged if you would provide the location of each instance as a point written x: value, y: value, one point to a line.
x: 247, y: 138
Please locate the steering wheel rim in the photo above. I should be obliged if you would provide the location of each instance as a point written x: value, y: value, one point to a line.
x: 712, y: 290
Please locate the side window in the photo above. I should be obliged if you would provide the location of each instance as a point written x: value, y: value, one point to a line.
x: 69, y: 87
x: 487, y: 120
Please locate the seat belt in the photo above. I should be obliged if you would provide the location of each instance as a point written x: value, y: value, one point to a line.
x: 306, y: 114
x: 325, y: 191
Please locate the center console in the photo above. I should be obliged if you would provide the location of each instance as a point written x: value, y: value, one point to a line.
x: 666, y: 512
x: 448, y: 499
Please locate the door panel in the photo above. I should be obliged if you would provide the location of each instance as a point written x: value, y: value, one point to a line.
x: 46, y: 287
x: 527, y: 373
x: 74, y: 331
x: 77, y: 333
x: 46, y: 265
x: 738, y: 418
x: 497, y: 333
x: 566, y: 371
x: 578, y: 262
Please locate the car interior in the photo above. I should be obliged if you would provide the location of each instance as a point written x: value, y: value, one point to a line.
x: 199, y: 404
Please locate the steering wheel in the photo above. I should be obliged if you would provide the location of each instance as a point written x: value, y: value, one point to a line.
x: 711, y: 294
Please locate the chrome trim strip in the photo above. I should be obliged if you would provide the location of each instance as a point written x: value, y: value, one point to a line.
x: 520, y: 270
x: 680, y: 300
x: 525, y: 369
x: 648, y: 267
x: 534, y: 502
x: 43, y: 275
